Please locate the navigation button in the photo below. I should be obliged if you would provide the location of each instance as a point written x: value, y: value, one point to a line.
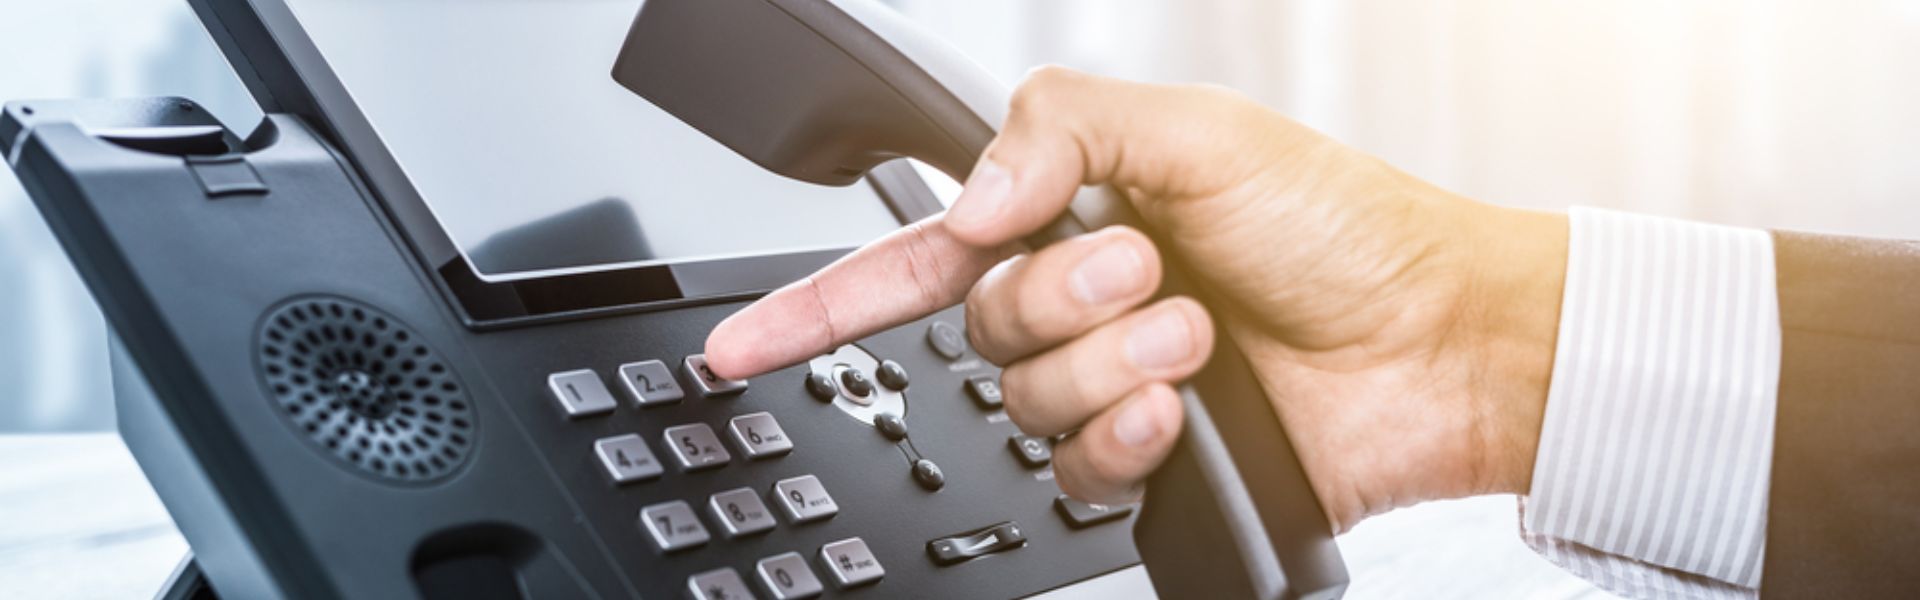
x: 928, y: 475
x: 1033, y: 451
x: 787, y: 576
x: 626, y: 458
x: 890, y: 426
x: 1082, y: 514
x: 580, y: 393
x: 947, y: 340
x: 820, y: 386
x: 967, y: 546
x: 892, y: 375
x: 650, y: 383
x: 710, y: 383
x: 718, y: 584
x: 740, y: 512
x: 673, y: 526
x: 696, y: 447
x: 985, y: 390
x: 759, y: 435
x: 851, y: 563
x: 804, y: 499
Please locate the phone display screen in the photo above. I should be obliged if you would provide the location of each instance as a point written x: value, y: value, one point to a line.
x: 503, y: 116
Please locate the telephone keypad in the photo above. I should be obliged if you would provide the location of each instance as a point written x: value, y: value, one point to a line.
x: 696, y: 447
x: 673, y: 526
x: 744, y: 515
x: 759, y: 435
x: 627, y: 458
x: 710, y: 384
x: 718, y: 584
x: 740, y: 512
x: 851, y: 563
x: 580, y: 393
x: 787, y: 576
x: 650, y: 383
x: 804, y: 499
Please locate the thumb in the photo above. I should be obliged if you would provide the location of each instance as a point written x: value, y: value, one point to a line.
x: 1065, y: 129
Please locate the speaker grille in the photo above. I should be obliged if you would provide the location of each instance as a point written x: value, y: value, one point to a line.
x: 366, y: 389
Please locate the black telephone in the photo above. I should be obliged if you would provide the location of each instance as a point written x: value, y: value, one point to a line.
x: 338, y: 398
x: 845, y: 85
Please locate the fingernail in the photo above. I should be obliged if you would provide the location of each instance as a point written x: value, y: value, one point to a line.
x: 1137, y: 423
x: 1109, y: 274
x: 1160, y: 341
x: 983, y: 197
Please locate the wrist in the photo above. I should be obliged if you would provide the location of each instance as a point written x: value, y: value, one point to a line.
x: 1517, y: 276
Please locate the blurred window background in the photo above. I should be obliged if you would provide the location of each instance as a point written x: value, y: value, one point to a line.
x: 1766, y: 113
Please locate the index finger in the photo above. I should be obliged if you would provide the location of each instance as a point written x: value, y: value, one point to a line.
x: 916, y: 270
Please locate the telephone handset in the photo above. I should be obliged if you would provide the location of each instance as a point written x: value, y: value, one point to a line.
x: 826, y: 90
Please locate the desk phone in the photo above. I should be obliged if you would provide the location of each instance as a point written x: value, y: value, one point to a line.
x: 433, y: 327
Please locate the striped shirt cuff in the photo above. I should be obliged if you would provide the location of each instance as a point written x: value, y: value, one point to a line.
x: 1658, y: 438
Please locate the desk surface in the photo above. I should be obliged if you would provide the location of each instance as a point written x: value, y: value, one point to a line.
x: 77, y: 520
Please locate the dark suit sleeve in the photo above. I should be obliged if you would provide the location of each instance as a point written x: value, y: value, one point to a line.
x: 1843, y: 518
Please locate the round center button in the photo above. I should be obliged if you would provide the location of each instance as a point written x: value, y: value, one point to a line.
x: 856, y: 383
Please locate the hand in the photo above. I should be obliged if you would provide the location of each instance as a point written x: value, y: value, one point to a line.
x: 1404, y: 334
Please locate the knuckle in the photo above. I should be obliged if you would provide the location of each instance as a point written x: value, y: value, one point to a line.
x: 924, y: 266
x: 1015, y: 396
x: 1071, y: 470
x: 1039, y: 313
x: 1041, y: 87
x: 983, y: 309
x: 978, y: 336
x: 1088, y: 475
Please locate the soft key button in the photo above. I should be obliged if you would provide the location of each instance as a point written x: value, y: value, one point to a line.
x: 710, y: 383
x: 759, y: 435
x: 1084, y: 514
x: 580, y: 393
x: 650, y: 383
x: 804, y: 499
x: 947, y: 340
x: 718, y: 584
x: 851, y: 563
x: 626, y: 458
x: 696, y: 448
x: 787, y: 576
x: 673, y: 526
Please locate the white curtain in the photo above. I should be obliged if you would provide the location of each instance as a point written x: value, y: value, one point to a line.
x: 1800, y: 115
